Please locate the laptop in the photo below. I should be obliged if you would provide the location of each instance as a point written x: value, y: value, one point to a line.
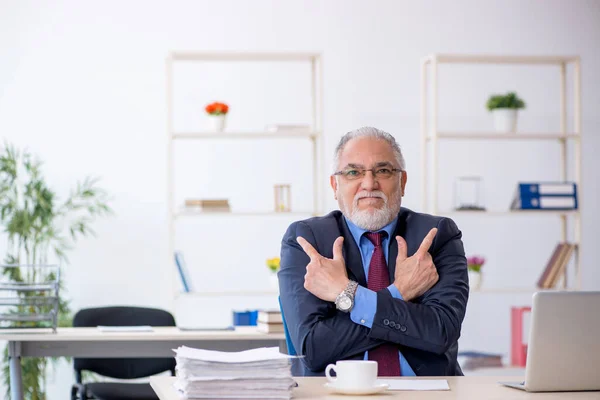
x: 563, y: 353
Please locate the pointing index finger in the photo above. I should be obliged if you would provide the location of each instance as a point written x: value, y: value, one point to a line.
x: 426, y: 243
x: 308, y: 248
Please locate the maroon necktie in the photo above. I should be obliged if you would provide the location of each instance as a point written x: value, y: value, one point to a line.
x: 386, y: 355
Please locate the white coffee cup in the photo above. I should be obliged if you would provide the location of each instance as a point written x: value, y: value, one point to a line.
x: 353, y: 374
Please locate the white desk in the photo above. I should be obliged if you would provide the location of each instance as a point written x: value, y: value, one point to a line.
x: 461, y: 388
x: 91, y: 342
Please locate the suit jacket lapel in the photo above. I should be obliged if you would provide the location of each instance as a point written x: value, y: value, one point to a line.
x: 352, y: 254
x: 393, y: 249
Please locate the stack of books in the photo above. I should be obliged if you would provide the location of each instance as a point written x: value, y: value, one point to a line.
x: 208, y: 205
x: 270, y: 321
x: 556, y: 265
x: 262, y: 373
x: 470, y: 360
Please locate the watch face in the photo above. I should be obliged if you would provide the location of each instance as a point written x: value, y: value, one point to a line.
x: 345, y: 303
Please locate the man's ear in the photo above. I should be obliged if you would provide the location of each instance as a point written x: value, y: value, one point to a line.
x: 333, y: 183
x: 403, y: 179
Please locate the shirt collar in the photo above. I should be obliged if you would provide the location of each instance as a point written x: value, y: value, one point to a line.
x: 357, y: 232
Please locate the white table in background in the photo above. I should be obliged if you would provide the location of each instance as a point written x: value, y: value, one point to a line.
x: 461, y: 388
x: 91, y: 342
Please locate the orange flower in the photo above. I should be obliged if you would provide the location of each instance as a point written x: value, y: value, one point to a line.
x: 217, y: 108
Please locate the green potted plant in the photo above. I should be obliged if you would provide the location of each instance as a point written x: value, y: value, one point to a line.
x: 504, y: 110
x: 40, y: 230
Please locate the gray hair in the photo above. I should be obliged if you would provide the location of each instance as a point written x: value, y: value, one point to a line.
x: 368, y: 131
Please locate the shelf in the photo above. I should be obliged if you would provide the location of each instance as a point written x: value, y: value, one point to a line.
x: 519, y: 213
x: 234, y: 56
x: 503, y: 136
x: 498, y: 59
x: 181, y: 214
x: 26, y: 317
x: 231, y: 293
x: 22, y: 287
x: 246, y: 135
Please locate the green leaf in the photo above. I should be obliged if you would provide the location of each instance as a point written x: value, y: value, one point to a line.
x: 509, y: 100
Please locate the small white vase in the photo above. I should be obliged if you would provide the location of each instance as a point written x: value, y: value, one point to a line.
x: 217, y: 122
x: 474, y: 280
x: 274, y: 282
x: 505, y: 119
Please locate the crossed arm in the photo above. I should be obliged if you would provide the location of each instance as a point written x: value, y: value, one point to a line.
x: 320, y: 332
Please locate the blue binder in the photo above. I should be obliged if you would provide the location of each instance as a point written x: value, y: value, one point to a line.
x: 545, y: 196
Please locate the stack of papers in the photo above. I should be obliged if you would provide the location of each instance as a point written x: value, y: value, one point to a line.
x: 262, y: 373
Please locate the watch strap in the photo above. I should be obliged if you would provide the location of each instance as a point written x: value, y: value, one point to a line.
x: 349, y: 292
x: 351, y: 288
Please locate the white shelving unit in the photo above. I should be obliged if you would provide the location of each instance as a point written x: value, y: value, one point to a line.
x: 314, y: 135
x: 431, y: 137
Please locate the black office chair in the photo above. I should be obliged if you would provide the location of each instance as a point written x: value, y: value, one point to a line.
x: 120, y: 368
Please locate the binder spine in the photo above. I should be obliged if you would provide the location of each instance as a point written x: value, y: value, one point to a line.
x: 548, y: 196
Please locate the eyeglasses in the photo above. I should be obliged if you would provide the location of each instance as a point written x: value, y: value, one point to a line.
x: 353, y: 174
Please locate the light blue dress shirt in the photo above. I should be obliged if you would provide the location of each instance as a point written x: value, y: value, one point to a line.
x: 365, y: 300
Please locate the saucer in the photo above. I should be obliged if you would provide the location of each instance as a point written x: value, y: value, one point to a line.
x: 377, y: 388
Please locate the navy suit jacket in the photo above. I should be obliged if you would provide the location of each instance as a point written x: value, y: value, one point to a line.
x: 426, y: 329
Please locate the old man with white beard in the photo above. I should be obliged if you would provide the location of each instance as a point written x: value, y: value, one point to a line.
x: 374, y: 281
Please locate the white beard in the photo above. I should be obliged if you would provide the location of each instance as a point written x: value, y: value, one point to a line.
x: 374, y: 219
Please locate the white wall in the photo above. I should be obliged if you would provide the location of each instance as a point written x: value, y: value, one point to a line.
x: 83, y: 85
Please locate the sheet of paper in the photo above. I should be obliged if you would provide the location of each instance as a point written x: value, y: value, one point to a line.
x: 137, y: 328
x: 260, y: 354
x: 416, y: 384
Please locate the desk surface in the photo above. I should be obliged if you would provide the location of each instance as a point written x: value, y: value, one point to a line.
x: 461, y: 387
x: 158, y: 333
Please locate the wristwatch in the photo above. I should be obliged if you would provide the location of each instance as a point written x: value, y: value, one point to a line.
x: 345, y: 300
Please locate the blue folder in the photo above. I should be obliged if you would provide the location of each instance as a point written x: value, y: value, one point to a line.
x: 545, y: 196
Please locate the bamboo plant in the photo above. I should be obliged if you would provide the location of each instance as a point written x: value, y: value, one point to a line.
x: 41, y: 229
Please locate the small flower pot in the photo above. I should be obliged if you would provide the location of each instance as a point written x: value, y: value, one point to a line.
x: 505, y: 120
x: 474, y: 280
x: 216, y: 122
x: 274, y: 281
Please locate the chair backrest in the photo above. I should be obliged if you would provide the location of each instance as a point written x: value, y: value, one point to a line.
x: 288, y: 341
x: 123, y: 368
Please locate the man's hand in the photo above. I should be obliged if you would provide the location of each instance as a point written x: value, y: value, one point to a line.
x: 416, y: 274
x: 326, y: 278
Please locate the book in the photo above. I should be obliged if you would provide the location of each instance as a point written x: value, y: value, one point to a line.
x: 552, y: 276
x: 270, y: 328
x: 561, y: 265
x: 183, y: 273
x: 549, y: 265
x: 207, y: 203
x: 470, y: 360
x: 287, y: 127
x: 556, y: 265
x: 270, y: 316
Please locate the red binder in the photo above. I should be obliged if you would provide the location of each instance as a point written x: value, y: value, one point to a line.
x: 518, y: 349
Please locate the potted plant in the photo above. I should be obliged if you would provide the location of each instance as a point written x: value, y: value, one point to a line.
x: 216, y: 115
x: 474, y: 264
x: 40, y: 230
x: 273, y: 265
x: 504, y: 109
